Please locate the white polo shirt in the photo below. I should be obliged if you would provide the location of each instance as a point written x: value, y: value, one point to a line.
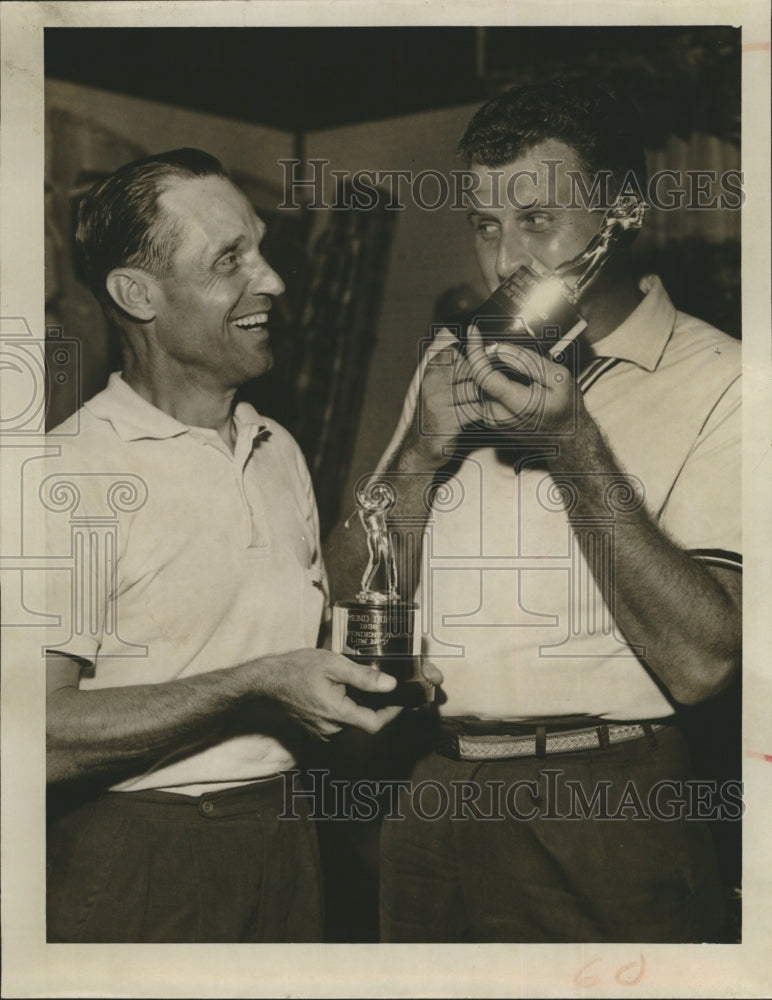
x: 178, y: 557
x: 512, y: 613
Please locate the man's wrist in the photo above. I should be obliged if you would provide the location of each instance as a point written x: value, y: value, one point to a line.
x: 254, y: 680
x: 583, y: 450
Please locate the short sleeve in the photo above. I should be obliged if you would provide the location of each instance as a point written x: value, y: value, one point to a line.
x: 703, y: 512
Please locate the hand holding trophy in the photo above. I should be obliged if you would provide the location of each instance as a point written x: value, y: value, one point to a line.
x: 378, y: 628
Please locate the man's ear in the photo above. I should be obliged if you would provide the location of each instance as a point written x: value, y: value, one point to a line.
x: 131, y: 289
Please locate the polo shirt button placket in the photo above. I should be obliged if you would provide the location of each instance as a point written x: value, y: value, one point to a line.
x: 255, y: 536
x: 253, y: 539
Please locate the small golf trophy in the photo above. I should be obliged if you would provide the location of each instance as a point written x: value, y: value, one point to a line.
x: 378, y: 628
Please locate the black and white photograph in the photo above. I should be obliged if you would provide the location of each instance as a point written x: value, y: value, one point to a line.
x: 384, y: 444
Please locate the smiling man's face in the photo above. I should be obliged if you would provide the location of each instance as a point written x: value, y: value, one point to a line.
x: 213, y: 308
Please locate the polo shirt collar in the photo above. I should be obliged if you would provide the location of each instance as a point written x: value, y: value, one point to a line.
x: 133, y: 418
x: 643, y: 336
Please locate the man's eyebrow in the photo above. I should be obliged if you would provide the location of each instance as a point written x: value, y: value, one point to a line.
x: 537, y: 206
x: 235, y: 242
x: 228, y: 246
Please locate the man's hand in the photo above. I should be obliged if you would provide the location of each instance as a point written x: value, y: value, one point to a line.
x: 448, y: 402
x: 549, y: 405
x: 310, y: 685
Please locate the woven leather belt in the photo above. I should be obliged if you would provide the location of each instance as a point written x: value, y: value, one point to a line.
x: 463, y: 746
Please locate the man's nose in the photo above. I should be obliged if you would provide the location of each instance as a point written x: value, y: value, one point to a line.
x: 512, y: 254
x: 264, y: 280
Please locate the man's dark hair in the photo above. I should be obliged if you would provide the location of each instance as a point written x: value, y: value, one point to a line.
x: 599, y: 125
x: 119, y: 221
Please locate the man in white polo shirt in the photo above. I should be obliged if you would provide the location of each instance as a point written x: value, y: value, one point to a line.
x: 580, y: 578
x: 189, y: 594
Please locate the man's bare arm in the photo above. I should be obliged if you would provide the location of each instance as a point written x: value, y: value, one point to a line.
x: 684, y: 616
x: 103, y: 733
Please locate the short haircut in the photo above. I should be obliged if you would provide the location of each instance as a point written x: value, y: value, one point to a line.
x: 602, y: 127
x: 120, y: 223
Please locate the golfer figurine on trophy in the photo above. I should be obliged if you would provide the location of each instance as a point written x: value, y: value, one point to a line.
x: 378, y: 628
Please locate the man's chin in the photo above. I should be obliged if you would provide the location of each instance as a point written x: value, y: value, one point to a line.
x: 262, y: 363
x: 269, y: 359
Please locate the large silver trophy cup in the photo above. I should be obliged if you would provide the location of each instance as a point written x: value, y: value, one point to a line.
x: 378, y: 628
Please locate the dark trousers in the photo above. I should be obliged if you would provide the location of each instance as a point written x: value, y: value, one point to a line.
x: 161, y: 867
x: 534, y: 869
